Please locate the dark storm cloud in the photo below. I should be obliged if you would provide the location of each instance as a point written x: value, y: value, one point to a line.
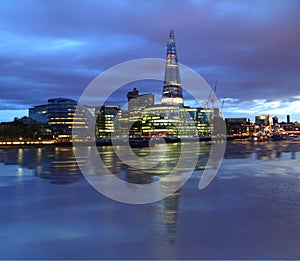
x: 55, y: 48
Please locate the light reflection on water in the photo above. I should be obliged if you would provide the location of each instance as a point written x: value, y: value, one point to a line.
x: 55, y: 163
x: 59, y: 163
x: 251, y: 210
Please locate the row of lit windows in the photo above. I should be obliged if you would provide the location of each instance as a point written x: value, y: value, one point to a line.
x: 62, y: 112
x: 66, y: 122
x: 77, y: 127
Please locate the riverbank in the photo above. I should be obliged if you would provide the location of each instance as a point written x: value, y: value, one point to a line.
x: 39, y: 143
x: 133, y: 141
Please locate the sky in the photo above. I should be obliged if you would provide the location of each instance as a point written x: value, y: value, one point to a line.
x: 56, y: 48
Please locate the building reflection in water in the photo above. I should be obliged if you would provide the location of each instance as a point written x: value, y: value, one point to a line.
x: 263, y: 151
x: 59, y: 165
x: 274, y: 150
x: 55, y: 163
x: 170, y: 205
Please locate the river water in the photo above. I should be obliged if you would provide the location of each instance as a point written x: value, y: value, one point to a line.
x: 251, y: 210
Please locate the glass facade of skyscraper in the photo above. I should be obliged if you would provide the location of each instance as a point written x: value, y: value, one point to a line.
x: 61, y: 119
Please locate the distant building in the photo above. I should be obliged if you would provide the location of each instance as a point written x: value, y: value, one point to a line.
x: 131, y: 121
x: 172, y: 91
x: 21, y: 128
x: 264, y: 120
x: 61, y: 119
x: 162, y: 120
x: 133, y: 94
x: 288, y: 126
x: 91, y: 110
x: 39, y: 113
x: 168, y: 120
x: 105, y: 121
x: 239, y: 126
x: 203, y: 119
x: 136, y: 102
x: 275, y: 120
x: 171, y: 117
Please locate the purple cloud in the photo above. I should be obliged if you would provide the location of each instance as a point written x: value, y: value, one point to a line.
x: 55, y: 48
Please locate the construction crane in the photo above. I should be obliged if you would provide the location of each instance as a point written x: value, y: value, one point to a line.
x: 222, y: 105
x: 211, y: 97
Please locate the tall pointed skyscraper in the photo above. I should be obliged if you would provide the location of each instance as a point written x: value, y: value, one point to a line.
x: 172, y: 92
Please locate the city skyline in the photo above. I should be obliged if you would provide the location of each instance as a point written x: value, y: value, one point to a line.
x: 56, y: 49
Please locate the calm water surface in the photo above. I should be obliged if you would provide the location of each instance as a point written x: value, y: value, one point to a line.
x: 251, y: 210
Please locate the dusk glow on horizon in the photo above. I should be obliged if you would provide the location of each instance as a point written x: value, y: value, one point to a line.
x: 56, y: 48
